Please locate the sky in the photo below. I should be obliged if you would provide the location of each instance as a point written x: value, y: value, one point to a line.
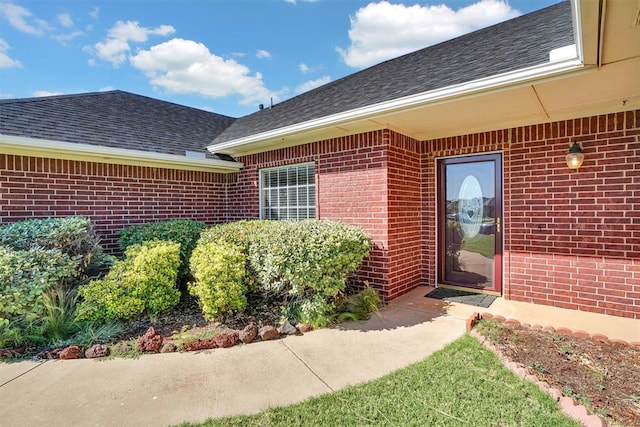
x: 224, y: 56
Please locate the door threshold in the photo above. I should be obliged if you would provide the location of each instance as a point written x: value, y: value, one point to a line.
x: 471, y: 290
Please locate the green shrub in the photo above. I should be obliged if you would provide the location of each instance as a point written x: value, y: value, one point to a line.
x: 144, y: 282
x: 302, y: 264
x: 219, y: 270
x: 73, y: 236
x: 26, y: 275
x: 183, y: 231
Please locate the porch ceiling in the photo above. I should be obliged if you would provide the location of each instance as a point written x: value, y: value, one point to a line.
x: 609, y: 81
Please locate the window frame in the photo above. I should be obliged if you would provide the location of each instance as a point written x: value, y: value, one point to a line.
x: 262, y: 194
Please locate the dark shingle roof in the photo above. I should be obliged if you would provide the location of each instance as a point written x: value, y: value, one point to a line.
x: 114, y: 119
x: 511, y: 45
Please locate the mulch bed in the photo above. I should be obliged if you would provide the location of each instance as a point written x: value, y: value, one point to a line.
x: 602, y: 375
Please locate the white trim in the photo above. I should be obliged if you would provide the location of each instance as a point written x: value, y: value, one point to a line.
x: 19, y: 145
x: 500, y: 81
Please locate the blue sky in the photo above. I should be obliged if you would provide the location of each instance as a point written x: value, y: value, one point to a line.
x: 222, y: 56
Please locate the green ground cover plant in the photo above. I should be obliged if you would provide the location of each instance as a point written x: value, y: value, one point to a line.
x: 461, y: 385
x: 143, y: 282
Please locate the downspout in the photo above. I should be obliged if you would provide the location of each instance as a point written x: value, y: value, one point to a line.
x: 603, y: 9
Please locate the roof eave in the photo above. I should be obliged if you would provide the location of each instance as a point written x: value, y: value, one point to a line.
x: 421, y: 100
x: 26, y: 146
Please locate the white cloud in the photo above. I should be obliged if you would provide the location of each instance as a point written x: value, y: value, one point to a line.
x: 304, y: 68
x: 312, y: 84
x: 262, y: 54
x: 63, y: 39
x: 65, y: 20
x: 22, y: 19
x: 5, y: 60
x: 185, y: 66
x: 39, y: 93
x: 116, y: 46
x: 381, y: 31
x: 95, y: 12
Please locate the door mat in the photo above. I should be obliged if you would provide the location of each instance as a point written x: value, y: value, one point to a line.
x: 463, y: 297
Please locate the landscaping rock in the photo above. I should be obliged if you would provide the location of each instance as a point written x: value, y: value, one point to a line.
x: 98, y: 350
x: 7, y: 352
x: 201, y: 344
x: 71, y: 352
x: 269, y: 333
x: 168, y: 347
x: 226, y: 339
x: 124, y: 347
x: 51, y: 354
x: 249, y: 333
x: 150, y: 341
x: 287, y: 328
x: 305, y: 327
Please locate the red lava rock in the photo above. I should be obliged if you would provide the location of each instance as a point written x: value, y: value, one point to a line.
x: 71, y: 352
x: 150, y: 341
x: 269, y: 333
x: 486, y: 315
x: 472, y: 321
x: 7, y: 352
x: 305, y: 327
x: 549, y: 329
x: 201, y: 344
x: 98, y: 350
x: 52, y: 354
x: 249, y: 333
x: 499, y: 318
x: 226, y: 339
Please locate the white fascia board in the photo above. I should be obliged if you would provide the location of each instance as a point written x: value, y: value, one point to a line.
x: 26, y: 146
x: 499, y: 82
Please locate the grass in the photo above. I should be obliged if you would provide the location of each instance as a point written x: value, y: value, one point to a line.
x: 482, y: 243
x: 461, y: 385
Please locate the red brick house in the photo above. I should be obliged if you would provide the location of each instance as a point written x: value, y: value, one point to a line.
x: 451, y: 157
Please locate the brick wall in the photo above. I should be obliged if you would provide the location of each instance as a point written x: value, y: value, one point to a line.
x: 113, y: 196
x: 572, y: 238
x: 405, y: 192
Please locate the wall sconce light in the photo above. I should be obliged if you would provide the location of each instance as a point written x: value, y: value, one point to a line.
x: 575, y: 157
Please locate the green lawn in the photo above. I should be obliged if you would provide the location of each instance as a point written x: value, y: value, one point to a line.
x: 461, y: 385
x: 483, y: 244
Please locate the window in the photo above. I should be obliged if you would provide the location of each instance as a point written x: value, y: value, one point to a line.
x: 288, y: 192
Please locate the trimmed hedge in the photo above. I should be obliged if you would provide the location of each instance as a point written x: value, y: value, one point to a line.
x: 25, y: 275
x: 219, y: 270
x: 183, y: 231
x: 306, y: 263
x: 142, y: 282
x: 73, y: 236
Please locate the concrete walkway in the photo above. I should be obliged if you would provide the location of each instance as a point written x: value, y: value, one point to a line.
x: 165, y: 389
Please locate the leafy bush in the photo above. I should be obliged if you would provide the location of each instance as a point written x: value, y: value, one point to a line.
x: 26, y: 275
x: 219, y: 270
x: 142, y: 282
x: 183, y: 231
x: 306, y: 263
x: 73, y: 236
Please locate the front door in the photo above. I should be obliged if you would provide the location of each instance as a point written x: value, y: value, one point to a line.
x: 470, y: 222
